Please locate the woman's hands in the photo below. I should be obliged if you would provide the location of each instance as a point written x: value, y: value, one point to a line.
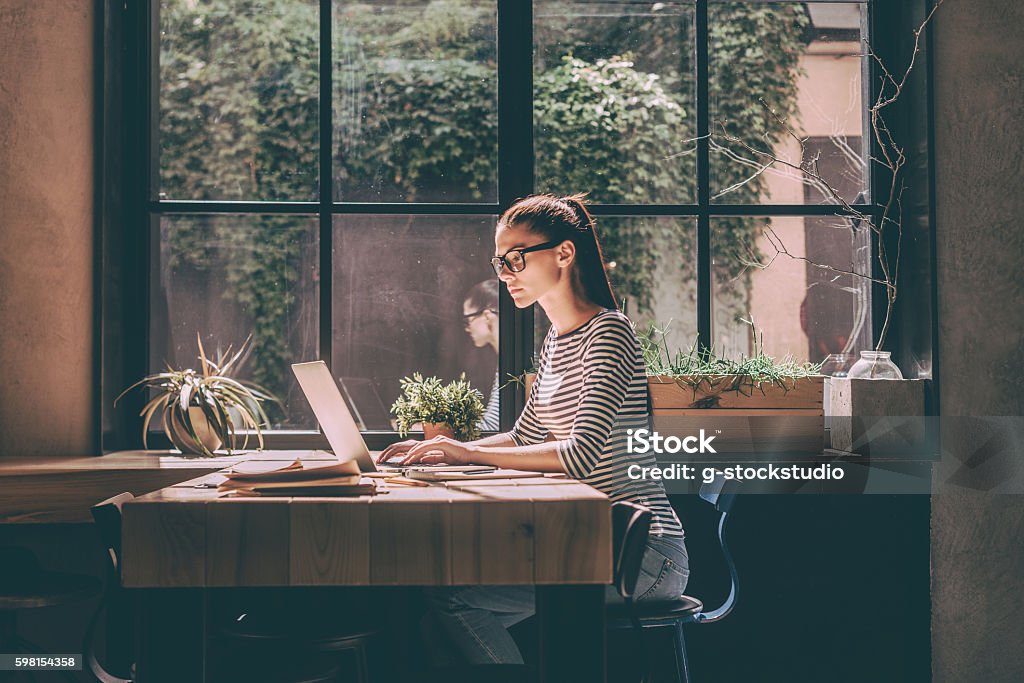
x: 439, y: 450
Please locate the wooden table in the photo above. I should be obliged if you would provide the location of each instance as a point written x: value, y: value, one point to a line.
x: 48, y: 490
x: 553, y: 533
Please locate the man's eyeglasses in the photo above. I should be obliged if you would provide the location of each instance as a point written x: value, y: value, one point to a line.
x: 467, y: 318
x: 515, y: 259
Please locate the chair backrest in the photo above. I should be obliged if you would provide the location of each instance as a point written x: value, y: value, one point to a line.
x: 107, y: 516
x: 631, y: 525
x: 721, y: 493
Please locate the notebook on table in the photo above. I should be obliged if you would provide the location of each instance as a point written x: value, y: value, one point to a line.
x: 297, y: 478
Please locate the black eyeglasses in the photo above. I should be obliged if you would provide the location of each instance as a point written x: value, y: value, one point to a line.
x: 467, y: 318
x: 515, y: 260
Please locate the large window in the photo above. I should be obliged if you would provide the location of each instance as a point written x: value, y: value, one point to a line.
x: 325, y: 177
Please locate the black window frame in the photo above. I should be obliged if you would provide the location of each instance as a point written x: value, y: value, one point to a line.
x: 127, y: 138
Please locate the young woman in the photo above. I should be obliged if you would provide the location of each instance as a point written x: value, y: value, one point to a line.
x: 480, y: 317
x: 591, y: 387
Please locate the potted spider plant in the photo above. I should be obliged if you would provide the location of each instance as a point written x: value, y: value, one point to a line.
x: 203, y: 410
x: 451, y: 410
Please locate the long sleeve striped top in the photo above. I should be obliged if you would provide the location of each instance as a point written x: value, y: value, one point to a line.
x: 591, y: 387
x: 489, y: 422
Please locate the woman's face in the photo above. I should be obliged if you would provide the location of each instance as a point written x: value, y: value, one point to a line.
x: 478, y: 323
x: 544, y: 269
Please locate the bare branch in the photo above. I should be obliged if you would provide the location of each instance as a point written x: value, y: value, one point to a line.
x: 815, y: 175
x: 686, y: 152
x: 881, y: 103
x: 847, y: 152
x: 780, y: 250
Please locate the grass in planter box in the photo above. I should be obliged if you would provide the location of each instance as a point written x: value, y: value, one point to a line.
x: 704, y: 370
x: 754, y: 404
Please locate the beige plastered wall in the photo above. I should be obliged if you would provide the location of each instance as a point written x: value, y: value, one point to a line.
x: 46, y: 227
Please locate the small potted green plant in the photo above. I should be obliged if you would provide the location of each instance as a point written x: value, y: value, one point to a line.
x: 204, y: 409
x: 453, y: 410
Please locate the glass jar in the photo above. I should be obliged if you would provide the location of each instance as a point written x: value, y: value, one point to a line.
x: 874, y: 365
x: 836, y: 364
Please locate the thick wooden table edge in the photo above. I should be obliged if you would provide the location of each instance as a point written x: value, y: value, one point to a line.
x: 512, y: 534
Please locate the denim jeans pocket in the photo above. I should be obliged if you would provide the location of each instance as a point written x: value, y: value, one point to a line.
x: 661, y: 578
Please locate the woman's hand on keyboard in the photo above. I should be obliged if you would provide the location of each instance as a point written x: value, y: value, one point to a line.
x: 437, y: 451
x: 396, y: 450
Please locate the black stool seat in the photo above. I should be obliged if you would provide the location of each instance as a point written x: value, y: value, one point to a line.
x: 23, y: 585
x: 289, y: 636
x: 323, y: 635
x: 681, y: 608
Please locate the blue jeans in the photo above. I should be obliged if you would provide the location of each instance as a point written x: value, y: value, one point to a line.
x: 476, y: 619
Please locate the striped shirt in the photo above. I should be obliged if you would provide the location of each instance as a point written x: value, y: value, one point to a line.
x: 591, y: 387
x: 489, y: 422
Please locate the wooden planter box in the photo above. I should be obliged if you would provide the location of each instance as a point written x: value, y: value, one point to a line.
x: 757, y: 419
x: 765, y: 419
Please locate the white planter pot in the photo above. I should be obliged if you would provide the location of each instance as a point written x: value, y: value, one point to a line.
x: 180, y: 437
x: 877, y: 416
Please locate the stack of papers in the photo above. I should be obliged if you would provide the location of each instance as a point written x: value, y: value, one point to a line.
x: 466, y: 473
x: 278, y: 478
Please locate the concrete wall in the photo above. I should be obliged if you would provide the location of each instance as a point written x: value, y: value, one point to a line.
x: 46, y: 227
x: 977, y: 556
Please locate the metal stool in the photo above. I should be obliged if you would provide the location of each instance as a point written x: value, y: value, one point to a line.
x: 631, y: 525
x: 24, y: 585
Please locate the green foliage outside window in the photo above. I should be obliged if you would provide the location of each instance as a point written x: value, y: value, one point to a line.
x: 239, y: 120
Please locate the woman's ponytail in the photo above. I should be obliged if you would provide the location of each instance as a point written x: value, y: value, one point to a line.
x: 589, y: 258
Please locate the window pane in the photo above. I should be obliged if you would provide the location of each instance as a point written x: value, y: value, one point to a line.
x: 415, y: 101
x: 651, y: 264
x: 238, y: 100
x: 613, y: 109
x: 783, y: 273
x: 228, y: 277
x: 804, y: 61
x: 400, y: 287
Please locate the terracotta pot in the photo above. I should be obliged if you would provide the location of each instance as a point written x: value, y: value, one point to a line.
x: 181, y: 439
x: 432, y: 429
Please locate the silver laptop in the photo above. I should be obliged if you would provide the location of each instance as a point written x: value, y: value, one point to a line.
x: 332, y: 413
